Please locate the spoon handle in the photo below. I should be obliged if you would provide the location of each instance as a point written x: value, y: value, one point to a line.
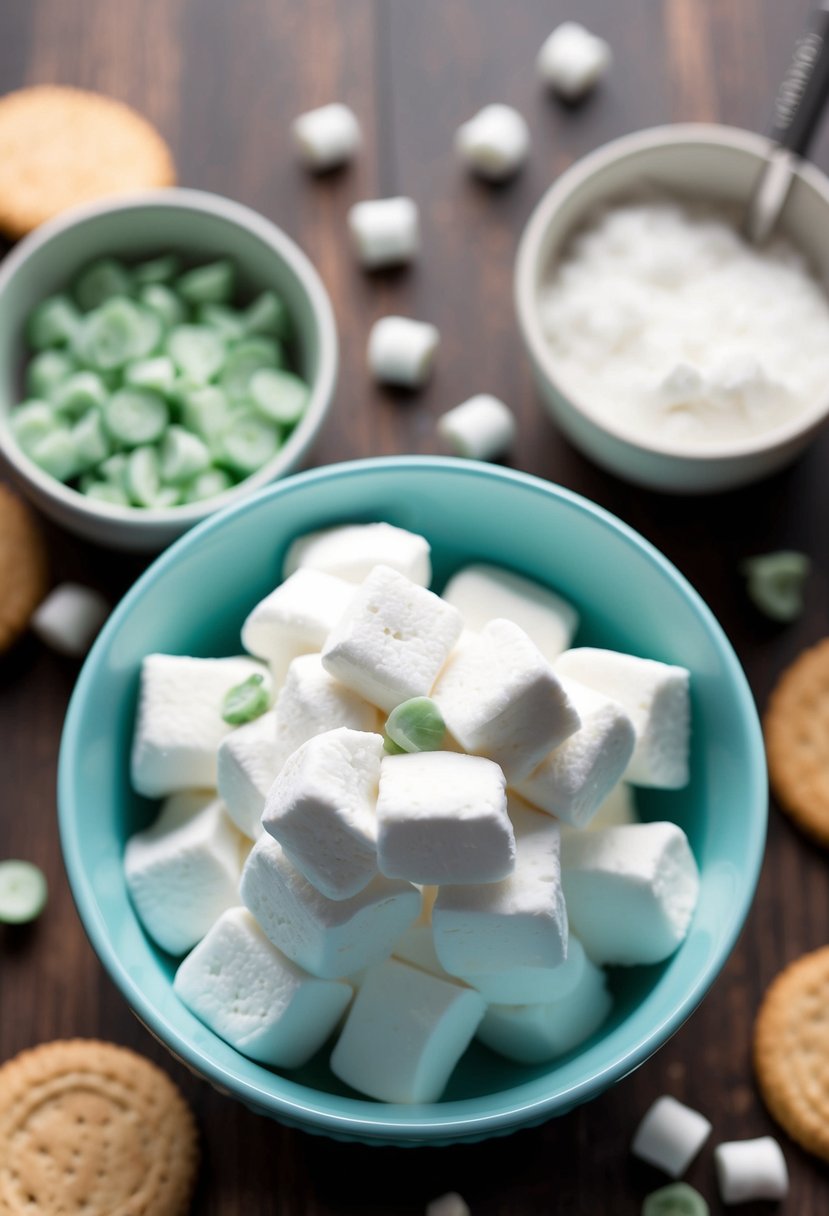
x: 805, y: 87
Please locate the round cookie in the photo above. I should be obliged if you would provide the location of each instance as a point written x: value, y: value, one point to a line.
x: 791, y: 1051
x: 23, y: 566
x: 87, y: 1127
x: 61, y: 146
x: 796, y: 728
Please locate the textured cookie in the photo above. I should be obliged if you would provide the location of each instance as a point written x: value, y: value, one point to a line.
x: 90, y: 1128
x: 791, y: 1051
x: 62, y: 146
x: 796, y: 727
x: 23, y: 566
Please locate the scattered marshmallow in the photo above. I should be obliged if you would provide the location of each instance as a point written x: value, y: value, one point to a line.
x: 183, y: 871
x: 296, y: 618
x: 310, y: 702
x: 392, y: 639
x: 572, y: 60
x: 70, y: 618
x: 405, y: 1033
x: 451, y: 1204
x: 670, y: 1136
x: 630, y: 891
x: 500, y: 698
x: 327, y: 137
x: 751, y: 1169
x: 385, y: 231
x: 481, y: 428
x: 255, y: 998
x: 494, y: 143
x: 180, y: 724
x: 351, y: 552
x: 401, y: 351
x: 321, y: 809
x: 532, y: 985
x: 655, y: 695
x: 246, y: 767
x: 442, y: 818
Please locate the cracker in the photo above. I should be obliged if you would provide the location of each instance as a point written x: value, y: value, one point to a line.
x: 796, y: 728
x: 61, y: 146
x: 24, y: 577
x: 93, y: 1129
x: 791, y: 1051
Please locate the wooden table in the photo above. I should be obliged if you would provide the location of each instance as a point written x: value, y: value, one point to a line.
x: 223, y: 80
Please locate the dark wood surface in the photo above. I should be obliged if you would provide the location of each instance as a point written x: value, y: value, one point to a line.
x: 223, y: 80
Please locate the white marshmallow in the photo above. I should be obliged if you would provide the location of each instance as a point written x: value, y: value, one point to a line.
x: 321, y: 810
x: 442, y: 818
x: 655, y: 695
x: 246, y: 767
x: 69, y: 618
x: 310, y: 702
x: 630, y: 891
x: 481, y: 428
x: 518, y: 922
x: 532, y: 985
x: 351, y: 552
x: 255, y: 998
x: 296, y: 618
x: 533, y: 1034
x: 618, y: 809
x: 670, y: 1136
x: 481, y: 593
x: 494, y: 143
x: 392, y: 639
x: 751, y: 1169
x: 572, y: 60
x: 500, y: 698
x: 183, y: 871
x: 180, y: 724
x: 401, y: 351
x: 327, y: 137
x: 575, y: 778
x: 451, y: 1204
x: 405, y: 1033
x: 416, y: 946
x: 385, y: 231
x: 328, y: 937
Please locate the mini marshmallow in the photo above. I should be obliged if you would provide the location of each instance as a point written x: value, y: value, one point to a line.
x: 576, y: 777
x: 255, y: 998
x: 180, y: 724
x: 518, y: 922
x: 392, y: 639
x: 481, y: 593
x: 442, y: 818
x: 573, y: 60
x: 405, y: 1033
x: 481, y: 428
x: 327, y: 137
x: 532, y: 985
x: 670, y: 1136
x: 451, y: 1204
x: 751, y: 1169
x: 69, y: 618
x: 631, y: 891
x: 494, y: 143
x: 310, y: 702
x: 500, y: 698
x: 183, y: 871
x: 328, y: 937
x: 655, y: 695
x: 321, y: 810
x: 351, y: 552
x: 296, y: 618
x: 401, y: 351
x: 533, y: 1034
x: 246, y: 767
x: 385, y: 231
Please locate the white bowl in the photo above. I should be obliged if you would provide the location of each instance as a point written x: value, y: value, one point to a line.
x: 710, y: 162
x: 200, y: 226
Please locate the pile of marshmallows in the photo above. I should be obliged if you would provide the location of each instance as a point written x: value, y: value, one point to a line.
x: 439, y: 894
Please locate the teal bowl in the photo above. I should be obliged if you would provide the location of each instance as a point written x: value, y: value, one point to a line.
x: 193, y: 600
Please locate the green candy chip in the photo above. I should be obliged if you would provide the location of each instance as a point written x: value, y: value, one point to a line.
x: 101, y: 282
x: 52, y: 323
x: 136, y: 416
x: 23, y: 892
x: 416, y: 726
x: 776, y: 583
x: 245, y: 701
x: 198, y: 352
x: 46, y: 371
x: 244, y: 359
x: 210, y: 284
x: 279, y: 395
x: 162, y: 269
x: 678, y: 1199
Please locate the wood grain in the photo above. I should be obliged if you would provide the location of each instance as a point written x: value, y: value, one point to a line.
x: 222, y: 82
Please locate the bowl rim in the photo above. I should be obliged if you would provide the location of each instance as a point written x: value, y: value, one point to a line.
x: 444, y: 1122
x: 237, y: 214
x: 527, y: 264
